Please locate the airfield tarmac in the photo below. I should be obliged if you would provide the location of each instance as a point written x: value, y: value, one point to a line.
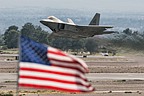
x: 111, y: 76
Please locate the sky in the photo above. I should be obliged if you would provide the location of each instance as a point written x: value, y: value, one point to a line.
x: 100, y: 5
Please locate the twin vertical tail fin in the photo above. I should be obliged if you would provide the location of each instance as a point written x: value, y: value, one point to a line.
x: 95, y: 20
x: 70, y: 21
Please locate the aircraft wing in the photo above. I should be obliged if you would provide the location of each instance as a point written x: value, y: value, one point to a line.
x: 76, y: 31
x: 96, y: 26
x: 93, y: 28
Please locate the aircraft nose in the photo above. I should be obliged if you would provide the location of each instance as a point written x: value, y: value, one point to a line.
x: 41, y: 21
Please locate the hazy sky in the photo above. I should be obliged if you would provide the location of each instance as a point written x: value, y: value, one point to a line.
x: 100, y: 5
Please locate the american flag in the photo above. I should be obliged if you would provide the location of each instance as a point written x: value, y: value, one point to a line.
x: 46, y: 67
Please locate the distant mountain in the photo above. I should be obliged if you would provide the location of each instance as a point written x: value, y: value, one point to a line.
x: 18, y: 17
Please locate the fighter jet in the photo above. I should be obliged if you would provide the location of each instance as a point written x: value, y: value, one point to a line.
x: 72, y: 30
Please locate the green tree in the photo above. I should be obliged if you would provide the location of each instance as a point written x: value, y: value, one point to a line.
x: 2, y: 40
x: 91, y: 45
x: 11, y: 37
x: 68, y: 43
x: 128, y: 38
x: 12, y: 28
x: 78, y: 44
x: 35, y: 32
x: 28, y: 30
x: 61, y: 43
x: 127, y: 31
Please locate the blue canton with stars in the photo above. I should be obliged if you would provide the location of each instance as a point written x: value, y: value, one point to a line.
x: 33, y: 52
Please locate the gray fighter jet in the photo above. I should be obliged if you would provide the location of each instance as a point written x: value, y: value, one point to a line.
x: 72, y: 30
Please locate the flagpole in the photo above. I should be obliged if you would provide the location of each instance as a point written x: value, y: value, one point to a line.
x: 19, y: 57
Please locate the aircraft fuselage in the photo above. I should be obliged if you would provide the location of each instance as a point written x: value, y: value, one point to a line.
x: 69, y: 29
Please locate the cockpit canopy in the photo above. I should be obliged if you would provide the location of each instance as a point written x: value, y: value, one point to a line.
x: 54, y: 19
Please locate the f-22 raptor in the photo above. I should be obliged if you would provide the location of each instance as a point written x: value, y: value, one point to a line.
x: 72, y: 30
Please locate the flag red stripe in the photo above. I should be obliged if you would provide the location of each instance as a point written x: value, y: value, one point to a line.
x: 53, y: 88
x: 75, y: 62
x: 54, y: 72
x: 61, y: 54
x: 67, y: 65
x: 57, y: 53
x: 69, y: 62
x: 55, y: 80
x: 70, y: 67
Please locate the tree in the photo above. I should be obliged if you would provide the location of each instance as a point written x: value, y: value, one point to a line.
x: 28, y: 30
x: 2, y: 40
x: 35, y: 32
x: 61, y: 43
x: 128, y: 38
x: 127, y: 31
x: 77, y: 44
x: 91, y: 45
x: 11, y: 37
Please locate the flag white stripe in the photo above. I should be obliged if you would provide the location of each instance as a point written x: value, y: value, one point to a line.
x: 59, y: 57
x: 53, y: 76
x: 51, y: 68
x: 55, y: 84
x: 80, y: 61
x: 52, y: 49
